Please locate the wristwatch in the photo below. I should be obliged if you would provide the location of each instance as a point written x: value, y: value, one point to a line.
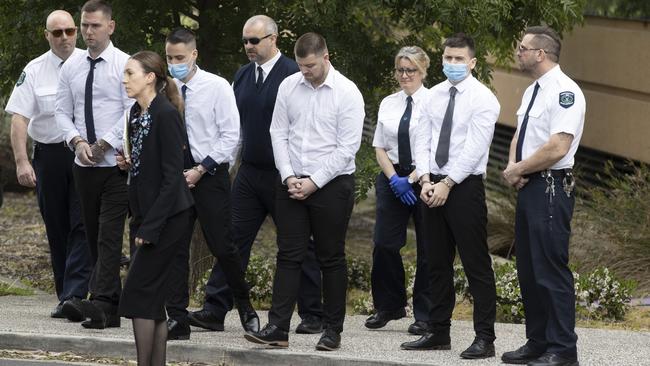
x: 447, y: 182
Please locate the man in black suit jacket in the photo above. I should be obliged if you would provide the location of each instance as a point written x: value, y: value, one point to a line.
x: 256, y: 86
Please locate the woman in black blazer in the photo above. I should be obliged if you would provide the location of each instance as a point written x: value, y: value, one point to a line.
x: 159, y: 199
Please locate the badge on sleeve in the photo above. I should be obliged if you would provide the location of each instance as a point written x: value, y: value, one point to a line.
x: 567, y: 99
x: 21, y: 79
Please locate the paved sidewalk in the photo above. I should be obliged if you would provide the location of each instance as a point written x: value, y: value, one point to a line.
x: 25, y: 324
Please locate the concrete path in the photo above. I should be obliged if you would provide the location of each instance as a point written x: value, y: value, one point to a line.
x: 25, y: 324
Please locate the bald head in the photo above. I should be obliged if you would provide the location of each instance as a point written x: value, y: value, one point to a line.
x: 61, y: 33
x: 267, y: 23
x: 260, y: 35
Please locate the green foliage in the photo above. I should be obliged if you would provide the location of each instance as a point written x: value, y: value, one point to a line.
x: 627, y: 9
x: 510, y: 308
x: 8, y: 289
x: 367, y: 170
x: 358, y: 273
x: 602, y: 296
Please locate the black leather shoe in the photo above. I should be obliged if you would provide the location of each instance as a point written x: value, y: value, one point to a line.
x: 329, y: 341
x: 57, y: 313
x: 310, y: 325
x: 177, y: 330
x: 429, y: 341
x: 379, y: 319
x: 270, y: 335
x: 205, y: 319
x: 480, y: 348
x: 248, y: 317
x: 72, y: 310
x: 521, y: 355
x: 100, y: 315
x: 419, y: 328
x: 553, y: 359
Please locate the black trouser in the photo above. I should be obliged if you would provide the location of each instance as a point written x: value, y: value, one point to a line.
x: 104, y: 204
x: 212, y: 207
x: 387, y: 277
x: 59, y: 206
x: 542, y: 231
x: 460, y: 223
x: 253, y: 198
x: 324, y: 216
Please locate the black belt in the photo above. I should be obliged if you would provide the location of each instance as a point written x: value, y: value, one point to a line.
x: 555, y: 173
x: 403, y: 171
x: 58, y: 145
x: 438, y: 177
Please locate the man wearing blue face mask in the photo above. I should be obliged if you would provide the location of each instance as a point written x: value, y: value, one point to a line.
x: 451, y: 155
x: 212, y: 123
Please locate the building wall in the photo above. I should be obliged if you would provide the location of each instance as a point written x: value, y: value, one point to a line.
x: 610, y: 60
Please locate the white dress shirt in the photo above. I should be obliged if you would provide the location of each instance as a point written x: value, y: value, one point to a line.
x: 547, y: 116
x: 110, y: 101
x: 267, y: 66
x: 475, y: 114
x: 34, y: 96
x: 211, y: 119
x: 390, y: 113
x: 316, y: 132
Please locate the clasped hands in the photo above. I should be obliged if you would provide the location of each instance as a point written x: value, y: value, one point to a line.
x: 300, y: 188
x: 403, y: 189
x: 513, y: 176
x: 91, y: 154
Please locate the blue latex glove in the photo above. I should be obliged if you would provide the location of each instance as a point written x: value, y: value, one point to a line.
x: 409, y: 198
x: 400, y: 185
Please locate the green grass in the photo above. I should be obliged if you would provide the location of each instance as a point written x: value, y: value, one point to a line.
x: 7, y: 289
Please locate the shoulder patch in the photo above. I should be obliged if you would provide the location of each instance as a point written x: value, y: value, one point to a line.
x: 21, y: 79
x: 567, y: 99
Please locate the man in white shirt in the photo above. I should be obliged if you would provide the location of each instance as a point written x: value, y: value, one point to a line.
x: 212, y: 123
x: 32, y: 107
x: 90, y: 107
x: 316, y: 132
x: 550, y: 123
x: 451, y: 154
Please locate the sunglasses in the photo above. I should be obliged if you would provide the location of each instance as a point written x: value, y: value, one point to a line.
x: 59, y: 32
x: 255, y: 40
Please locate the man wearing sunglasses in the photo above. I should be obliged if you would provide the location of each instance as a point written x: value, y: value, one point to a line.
x: 256, y: 87
x: 32, y: 106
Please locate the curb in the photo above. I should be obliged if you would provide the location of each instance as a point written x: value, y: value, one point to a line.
x: 178, y: 352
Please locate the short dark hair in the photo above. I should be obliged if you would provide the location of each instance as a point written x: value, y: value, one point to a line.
x: 310, y: 44
x: 546, y: 38
x: 92, y: 6
x: 461, y: 40
x: 181, y: 35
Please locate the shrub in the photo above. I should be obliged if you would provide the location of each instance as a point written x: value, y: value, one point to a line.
x: 510, y: 308
x: 602, y: 296
x: 358, y: 273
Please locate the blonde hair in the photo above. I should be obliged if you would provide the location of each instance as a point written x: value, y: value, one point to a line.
x: 417, y: 56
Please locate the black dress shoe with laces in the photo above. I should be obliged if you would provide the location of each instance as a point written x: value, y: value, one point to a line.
x: 521, y: 355
x: 420, y: 327
x: 480, y: 348
x: 429, y: 341
x: 553, y: 359
x: 329, y: 341
x: 205, y: 319
x: 72, y: 310
x: 270, y: 335
x: 248, y: 317
x: 57, y: 313
x: 177, y: 330
x: 381, y: 318
x: 310, y: 325
x: 101, y: 315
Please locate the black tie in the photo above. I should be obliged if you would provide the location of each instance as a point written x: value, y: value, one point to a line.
x: 189, y: 159
x: 442, y: 152
x: 88, y: 101
x: 522, y: 130
x: 260, y: 77
x: 403, y: 141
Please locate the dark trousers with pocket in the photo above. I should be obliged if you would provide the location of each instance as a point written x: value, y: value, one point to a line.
x: 387, y: 276
x: 59, y: 205
x: 542, y: 231
x: 104, y: 204
x: 460, y: 223
x: 253, y: 198
x: 212, y: 208
x: 324, y: 216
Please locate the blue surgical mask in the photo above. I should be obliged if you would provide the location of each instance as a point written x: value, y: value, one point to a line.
x: 179, y: 71
x: 455, y: 72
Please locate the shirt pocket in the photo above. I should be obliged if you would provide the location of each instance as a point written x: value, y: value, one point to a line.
x: 45, y: 98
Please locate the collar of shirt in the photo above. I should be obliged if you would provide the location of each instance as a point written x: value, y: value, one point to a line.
x: 196, y: 78
x: 462, y: 86
x: 107, y: 54
x: 55, y: 60
x: 418, y: 96
x: 329, y: 79
x: 268, y: 65
x: 550, y: 75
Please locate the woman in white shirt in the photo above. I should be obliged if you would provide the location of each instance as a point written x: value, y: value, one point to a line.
x: 397, y: 195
